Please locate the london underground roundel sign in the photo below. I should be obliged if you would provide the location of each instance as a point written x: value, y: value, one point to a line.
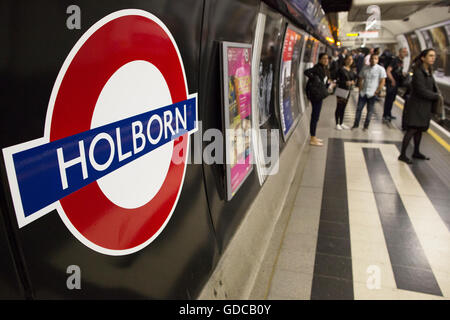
x: 114, y: 152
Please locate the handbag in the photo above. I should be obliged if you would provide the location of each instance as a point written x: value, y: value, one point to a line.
x: 438, y: 106
x: 342, y: 93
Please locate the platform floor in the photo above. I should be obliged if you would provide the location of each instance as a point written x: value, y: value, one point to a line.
x: 363, y: 225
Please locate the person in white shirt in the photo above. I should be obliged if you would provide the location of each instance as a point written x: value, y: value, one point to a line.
x: 371, y: 81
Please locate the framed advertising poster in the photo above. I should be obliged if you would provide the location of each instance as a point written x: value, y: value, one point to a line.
x: 289, y: 80
x: 266, y: 51
x: 237, y: 113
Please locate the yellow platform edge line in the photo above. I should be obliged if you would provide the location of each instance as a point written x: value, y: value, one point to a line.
x: 436, y: 137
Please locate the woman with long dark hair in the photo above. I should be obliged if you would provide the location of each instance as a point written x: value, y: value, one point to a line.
x: 316, y: 91
x: 418, y: 107
x: 345, y: 80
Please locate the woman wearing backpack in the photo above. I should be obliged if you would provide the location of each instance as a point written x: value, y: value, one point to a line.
x: 316, y: 91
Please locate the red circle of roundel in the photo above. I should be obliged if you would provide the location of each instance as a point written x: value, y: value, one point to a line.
x: 119, y: 41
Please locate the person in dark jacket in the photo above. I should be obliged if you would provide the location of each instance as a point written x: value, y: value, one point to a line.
x: 342, y: 57
x: 395, y: 75
x: 316, y: 91
x: 345, y: 80
x: 334, y: 65
x: 418, y: 107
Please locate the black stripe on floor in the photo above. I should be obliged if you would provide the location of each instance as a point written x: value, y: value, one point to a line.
x: 409, y: 263
x: 333, y: 277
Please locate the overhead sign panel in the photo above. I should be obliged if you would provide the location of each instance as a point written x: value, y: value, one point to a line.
x: 369, y: 34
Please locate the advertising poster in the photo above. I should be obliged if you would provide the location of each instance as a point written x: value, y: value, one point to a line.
x: 315, y: 53
x: 414, y: 45
x: 440, y: 41
x: 438, y: 38
x: 289, y: 81
x: 236, y: 59
x: 307, y: 55
x: 266, y: 52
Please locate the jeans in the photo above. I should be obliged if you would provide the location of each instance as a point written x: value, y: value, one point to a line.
x: 391, y: 94
x: 316, y: 107
x: 361, y: 104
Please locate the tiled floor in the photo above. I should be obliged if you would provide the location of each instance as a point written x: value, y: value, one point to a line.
x: 364, y: 225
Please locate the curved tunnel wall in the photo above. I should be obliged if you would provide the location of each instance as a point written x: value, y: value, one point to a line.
x: 436, y: 36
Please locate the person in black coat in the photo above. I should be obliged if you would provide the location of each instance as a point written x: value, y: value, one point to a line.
x: 418, y: 107
x: 316, y: 91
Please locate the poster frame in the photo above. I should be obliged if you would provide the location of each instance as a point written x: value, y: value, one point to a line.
x: 286, y: 135
x: 224, y: 45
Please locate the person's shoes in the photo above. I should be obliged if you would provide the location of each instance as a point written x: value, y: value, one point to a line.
x: 354, y: 127
x: 343, y: 126
x: 338, y: 127
x: 386, y: 119
x: 318, y: 139
x: 392, y: 118
x: 405, y: 159
x: 420, y: 156
x: 365, y: 128
x: 316, y: 142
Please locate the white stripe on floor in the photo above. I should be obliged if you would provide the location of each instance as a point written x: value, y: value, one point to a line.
x: 369, y: 251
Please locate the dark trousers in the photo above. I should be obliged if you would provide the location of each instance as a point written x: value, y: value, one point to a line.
x: 316, y: 107
x: 391, y: 94
x: 361, y: 104
x: 340, y: 110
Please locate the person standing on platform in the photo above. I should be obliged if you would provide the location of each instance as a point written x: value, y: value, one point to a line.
x: 367, y: 57
x: 342, y: 57
x: 424, y: 94
x: 395, y: 75
x: 334, y: 65
x: 345, y: 80
x: 384, y: 59
x: 371, y: 82
x: 359, y: 61
x: 318, y: 88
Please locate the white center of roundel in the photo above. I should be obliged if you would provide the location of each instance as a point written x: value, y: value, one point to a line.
x: 135, y: 88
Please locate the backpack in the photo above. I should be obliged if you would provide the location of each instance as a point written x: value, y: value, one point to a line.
x: 316, y: 89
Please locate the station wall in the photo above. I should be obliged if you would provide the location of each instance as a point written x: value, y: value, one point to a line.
x: 41, y: 256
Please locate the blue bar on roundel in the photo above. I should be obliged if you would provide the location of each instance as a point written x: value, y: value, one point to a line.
x: 49, y: 172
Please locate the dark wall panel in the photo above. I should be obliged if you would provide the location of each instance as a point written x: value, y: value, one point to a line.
x: 233, y: 21
x: 10, y: 284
